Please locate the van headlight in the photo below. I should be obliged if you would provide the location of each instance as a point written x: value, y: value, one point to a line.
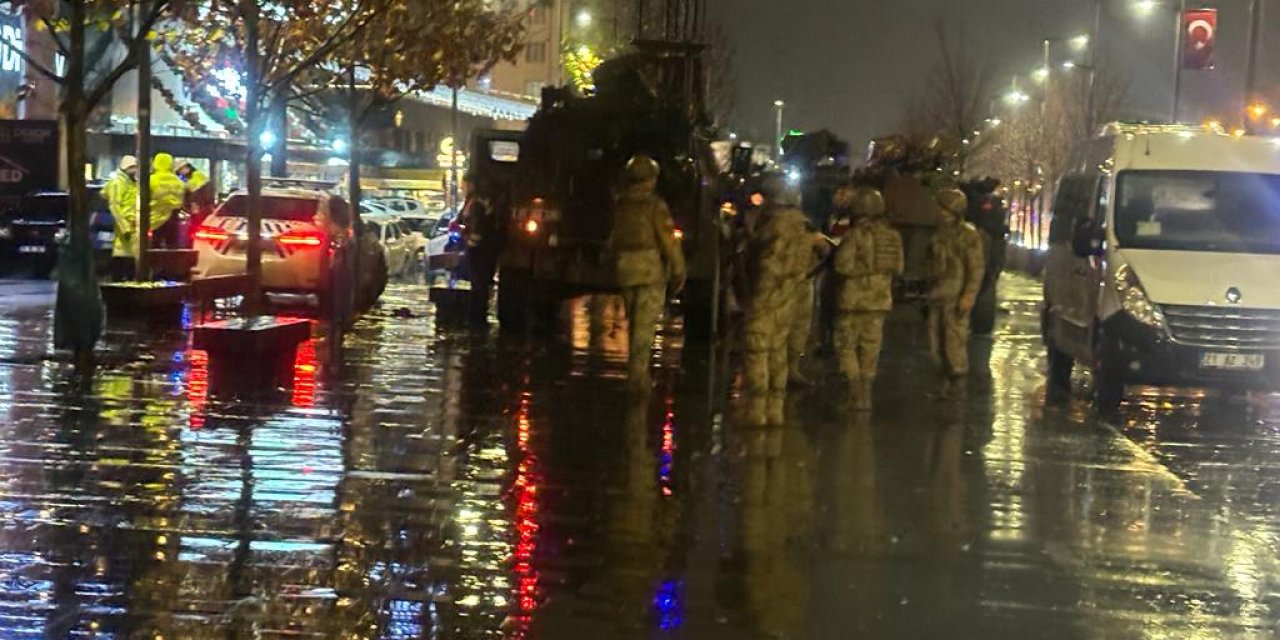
x: 1134, y: 300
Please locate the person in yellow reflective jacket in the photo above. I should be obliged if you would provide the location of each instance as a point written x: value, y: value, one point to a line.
x: 167, y: 197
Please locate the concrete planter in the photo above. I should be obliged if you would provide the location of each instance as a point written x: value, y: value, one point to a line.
x: 144, y: 299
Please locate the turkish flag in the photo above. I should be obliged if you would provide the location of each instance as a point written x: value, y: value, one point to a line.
x: 1199, y: 33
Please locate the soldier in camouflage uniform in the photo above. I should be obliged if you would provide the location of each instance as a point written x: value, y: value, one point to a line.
x: 866, y: 262
x: 801, y: 331
x: 649, y: 260
x: 957, y: 262
x: 778, y: 257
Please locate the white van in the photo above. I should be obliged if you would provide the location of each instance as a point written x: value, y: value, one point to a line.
x: 1164, y: 262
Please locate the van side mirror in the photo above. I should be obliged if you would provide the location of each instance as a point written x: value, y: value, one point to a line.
x: 1087, y: 239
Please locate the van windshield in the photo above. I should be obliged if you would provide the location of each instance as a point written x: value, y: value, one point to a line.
x: 1228, y: 212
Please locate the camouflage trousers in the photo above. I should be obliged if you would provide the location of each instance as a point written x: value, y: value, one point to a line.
x: 801, y: 329
x: 949, y: 337
x: 644, y: 305
x: 765, y: 366
x: 859, y: 335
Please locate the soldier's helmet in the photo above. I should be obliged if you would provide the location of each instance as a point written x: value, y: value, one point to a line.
x: 867, y: 202
x: 777, y: 190
x: 642, y: 168
x: 953, y: 200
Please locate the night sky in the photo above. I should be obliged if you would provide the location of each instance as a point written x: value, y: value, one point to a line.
x: 851, y: 65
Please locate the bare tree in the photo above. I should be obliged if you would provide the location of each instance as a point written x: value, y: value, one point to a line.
x: 1034, y: 144
x: 955, y: 102
x: 722, y: 84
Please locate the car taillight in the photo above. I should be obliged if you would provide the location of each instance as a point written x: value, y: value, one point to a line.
x: 300, y: 239
x: 211, y: 234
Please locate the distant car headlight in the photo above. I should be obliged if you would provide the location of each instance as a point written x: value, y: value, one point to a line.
x: 1134, y: 300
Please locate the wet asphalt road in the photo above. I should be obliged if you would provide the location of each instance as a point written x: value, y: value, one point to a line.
x: 440, y: 485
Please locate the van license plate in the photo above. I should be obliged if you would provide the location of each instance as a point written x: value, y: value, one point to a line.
x: 1233, y: 361
x: 31, y: 248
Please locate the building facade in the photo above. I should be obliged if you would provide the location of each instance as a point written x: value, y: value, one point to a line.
x: 539, y: 64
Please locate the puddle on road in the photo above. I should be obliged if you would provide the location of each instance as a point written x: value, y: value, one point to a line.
x: 441, y: 485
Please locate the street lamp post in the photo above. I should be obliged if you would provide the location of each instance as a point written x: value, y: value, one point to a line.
x: 1177, y: 60
x: 1144, y: 7
x: 778, y: 106
x: 1251, y: 68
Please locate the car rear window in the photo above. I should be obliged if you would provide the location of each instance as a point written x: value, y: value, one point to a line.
x: 273, y: 208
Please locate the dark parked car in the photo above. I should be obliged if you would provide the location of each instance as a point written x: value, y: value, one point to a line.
x: 28, y: 234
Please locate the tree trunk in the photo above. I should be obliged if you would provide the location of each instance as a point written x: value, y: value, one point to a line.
x: 143, y: 271
x: 254, y: 118
x: 78, y: 310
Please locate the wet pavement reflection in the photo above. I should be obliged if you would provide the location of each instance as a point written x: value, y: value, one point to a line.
x: 430, y: 483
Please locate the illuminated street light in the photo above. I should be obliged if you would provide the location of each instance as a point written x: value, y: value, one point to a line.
x: 1016, y: 97
x: 1080, y: 42
x: 583, y: 19
x: 1258, y: 110
x: 1041, y: 74
x: 339, y: 145
x: 267, y: 139
x: 1146, y: 7
x: 1068, y: 65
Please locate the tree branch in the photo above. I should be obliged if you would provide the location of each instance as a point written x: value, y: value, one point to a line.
x: 53, y: 35
x: 340, y: 36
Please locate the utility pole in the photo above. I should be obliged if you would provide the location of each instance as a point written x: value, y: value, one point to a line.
x: 1255, y: 45
x: 1095, y: 43
x: 1178, y: 38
